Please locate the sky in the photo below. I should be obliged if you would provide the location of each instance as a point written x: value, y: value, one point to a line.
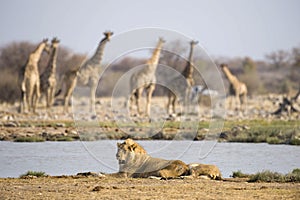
x: 230, y: 28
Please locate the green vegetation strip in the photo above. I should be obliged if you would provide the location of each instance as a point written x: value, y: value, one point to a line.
x: 268, y: 176
x: 33, y: 174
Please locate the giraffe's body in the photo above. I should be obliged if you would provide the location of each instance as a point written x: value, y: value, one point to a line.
x: 86, y: 75
x: 237, y: 89
x: 48, y: 78
x: 145, y: 79
x: 182, y: 83
x: 30, y: 79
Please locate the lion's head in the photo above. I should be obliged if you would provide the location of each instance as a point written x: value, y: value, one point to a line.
x: 127, y: 150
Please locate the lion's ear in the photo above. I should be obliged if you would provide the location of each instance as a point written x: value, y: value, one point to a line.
x: 118, y: 144
x: 129, y: 141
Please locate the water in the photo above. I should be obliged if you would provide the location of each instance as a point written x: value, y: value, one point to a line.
x: 58, y: 158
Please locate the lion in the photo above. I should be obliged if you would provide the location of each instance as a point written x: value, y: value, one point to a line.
x: 136, y: 163
x: 211, y: 171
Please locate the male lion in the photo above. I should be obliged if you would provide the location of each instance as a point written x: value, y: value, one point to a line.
x: 135, y: 162
x: 212, y: 171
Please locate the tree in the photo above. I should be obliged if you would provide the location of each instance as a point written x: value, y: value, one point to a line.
x: 295, y: 60
x: 278, y: 58
x: 250, y: 76
x: 13, y: 57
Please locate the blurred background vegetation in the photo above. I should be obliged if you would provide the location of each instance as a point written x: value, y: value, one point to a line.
x: 278, y: 72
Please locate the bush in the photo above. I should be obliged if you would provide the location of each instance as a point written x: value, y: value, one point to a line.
x: 274, y: 140
x: 267, y: 176
x: 240, y: 174
x: 294, y: 141
x: 33, y: 173
x: 29, y: 139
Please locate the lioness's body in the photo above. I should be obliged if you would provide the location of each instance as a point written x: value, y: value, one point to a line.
x: 211, y: 171
x: 135, y: 162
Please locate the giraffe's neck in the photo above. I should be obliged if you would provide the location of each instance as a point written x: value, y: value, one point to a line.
x: 153, y: 61
x: 52, y: 62
x: 189, y: 69
x: 36, y: 54
x: 97, y: 57
x: 232, y: 79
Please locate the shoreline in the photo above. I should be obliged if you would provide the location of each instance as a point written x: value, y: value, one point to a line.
x: 246, y: 131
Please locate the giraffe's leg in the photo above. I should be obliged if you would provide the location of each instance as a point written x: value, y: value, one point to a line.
x: 150, y: 90
x: 23, y: 102
x: 23, y: 98
x: 67, y: 98
x: 187, y: 100
x: 132, y: 100
x: 139, y: 92
x: 51, y: 96
x: 29, y: 98
x: 174, y: 98
x: 70, y: 86
x: 93, y: 98
x: 35, y: 98
x: 244, y: 102
x: 48, y: 98
x: 238, y: 102
x: 38, y: 95
x: 169, y: 103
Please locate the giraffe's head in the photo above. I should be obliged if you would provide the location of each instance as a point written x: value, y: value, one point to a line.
x: 55, y: 42
x: 223, y: 65
x: 194, y: 42
x: 108, y: 34
x: 46, y: 45
x: 161, y: 40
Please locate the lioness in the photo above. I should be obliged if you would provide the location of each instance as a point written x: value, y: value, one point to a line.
x: 211, y: 171
x: 135, y: 162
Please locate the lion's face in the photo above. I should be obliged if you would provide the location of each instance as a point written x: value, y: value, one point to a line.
x: 127, y: 150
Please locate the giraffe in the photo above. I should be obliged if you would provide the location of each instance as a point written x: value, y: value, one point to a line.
x: 180, y: 84
x: 237, y: 88
x: 86, y: 75
x: 48, y: 78
x: 145, y: 79
x: 30, y: 79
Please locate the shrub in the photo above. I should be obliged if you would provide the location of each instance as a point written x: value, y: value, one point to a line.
x: 294, y: 141
x: 65, y: 138
x: 33, y: 173
x: 267, y: 176
x: 240, y: 174
x: 29, y: 139
x: 274, y: 140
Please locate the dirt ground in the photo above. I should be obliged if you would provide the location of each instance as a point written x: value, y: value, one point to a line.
x: 122, y: 188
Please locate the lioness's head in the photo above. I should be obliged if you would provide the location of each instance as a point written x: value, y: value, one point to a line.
x: 126, y: 149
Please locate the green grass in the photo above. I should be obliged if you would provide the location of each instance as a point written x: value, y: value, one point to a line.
x: 239, y: 174
x: 271, y: 132
x: 46, y: 123
x: 29, y: 139
x: 269, y: 176
x: 33, y: 173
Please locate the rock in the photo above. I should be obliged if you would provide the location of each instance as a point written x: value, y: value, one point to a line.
x: 158, y: 136
x: 224, y: 135
x: 92, y: 174
x: 11, y: 124
x: 98, y: 188
x: 60, y: 125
